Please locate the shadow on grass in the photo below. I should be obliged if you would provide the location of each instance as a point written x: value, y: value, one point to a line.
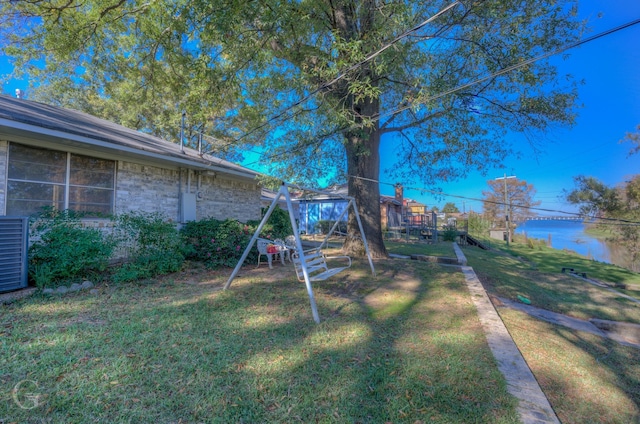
x: 403, y: 347
x: 587, y: 378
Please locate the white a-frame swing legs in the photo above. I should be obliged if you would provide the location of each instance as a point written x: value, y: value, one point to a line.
x: 284, y: 191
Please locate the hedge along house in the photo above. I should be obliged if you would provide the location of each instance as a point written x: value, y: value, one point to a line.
x: 52, y: 156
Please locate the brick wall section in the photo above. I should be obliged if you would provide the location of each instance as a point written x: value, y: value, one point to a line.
x: 4, y: 151
x: 224, y: 197
x: 144, y: 188
x: 153, y: 189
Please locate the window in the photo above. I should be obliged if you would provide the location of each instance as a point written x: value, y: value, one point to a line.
x: 41, y: 177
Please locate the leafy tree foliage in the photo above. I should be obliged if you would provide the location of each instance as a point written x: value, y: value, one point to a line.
x: 619, y: 205
x: 316, y: 83
x: 633, y: 138
x: 450, y: 207
x: 520, y: 199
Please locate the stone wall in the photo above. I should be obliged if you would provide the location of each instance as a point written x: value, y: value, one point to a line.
x: 153, y: 189
x: 225, y: 197
x: 149, y: 188
x: 145, y: 188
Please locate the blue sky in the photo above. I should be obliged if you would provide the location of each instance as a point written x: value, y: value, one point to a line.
x: 610, y: 67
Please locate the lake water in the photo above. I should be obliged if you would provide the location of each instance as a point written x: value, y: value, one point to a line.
x: 567, y: 235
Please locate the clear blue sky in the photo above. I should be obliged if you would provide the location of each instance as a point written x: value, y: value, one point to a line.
x: 610, y: 67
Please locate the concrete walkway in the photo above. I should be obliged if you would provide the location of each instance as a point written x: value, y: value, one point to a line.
x: 533, y: 407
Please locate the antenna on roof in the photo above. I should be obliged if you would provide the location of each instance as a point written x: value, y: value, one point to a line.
x: 19, y: 94
x: 184, y: 113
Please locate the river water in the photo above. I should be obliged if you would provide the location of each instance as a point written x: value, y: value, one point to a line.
x: 570, y: 235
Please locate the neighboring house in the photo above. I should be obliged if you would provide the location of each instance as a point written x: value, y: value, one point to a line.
x: 332, y: 202
x: 326, y: 206
x: 52, y: 156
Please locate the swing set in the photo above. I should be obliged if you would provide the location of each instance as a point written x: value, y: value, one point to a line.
x: 310, y: 265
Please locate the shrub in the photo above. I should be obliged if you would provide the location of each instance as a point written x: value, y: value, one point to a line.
x: 449, y: 233
x: 217, y: 243
x: 64, y: 250
x: 278, y: 225
x: 476, y: 224
x: 154, y: 246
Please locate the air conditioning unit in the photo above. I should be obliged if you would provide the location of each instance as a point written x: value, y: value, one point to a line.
x: 14, y: 244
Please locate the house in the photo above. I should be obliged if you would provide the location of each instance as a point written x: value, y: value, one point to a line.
x: 326, y: 206
x: 52, y: 156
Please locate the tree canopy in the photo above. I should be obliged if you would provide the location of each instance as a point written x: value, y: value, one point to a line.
x: 450, y: 207
x: 616, y: 209
x: 519, y: 199
x: 315, y: 83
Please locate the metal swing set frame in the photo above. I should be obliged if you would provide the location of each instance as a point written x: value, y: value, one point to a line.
x: 284, y: 192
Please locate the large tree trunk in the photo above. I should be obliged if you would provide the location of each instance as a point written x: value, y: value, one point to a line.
x: 363, y: 168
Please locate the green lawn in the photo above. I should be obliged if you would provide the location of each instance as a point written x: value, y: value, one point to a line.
x: 405, y: 346
x: 586, y: 378
x: 443, y: 248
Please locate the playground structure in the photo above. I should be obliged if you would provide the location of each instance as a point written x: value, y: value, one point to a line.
x: 306, y: 261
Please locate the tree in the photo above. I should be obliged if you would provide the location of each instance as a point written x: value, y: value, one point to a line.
x: 633, y: 138
x: 519, y: 200
x: 450, y: 207
x: 315, y: 83
x: 616, y: 209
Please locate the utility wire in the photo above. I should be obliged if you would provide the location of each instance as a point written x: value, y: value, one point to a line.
x: 343, y: 74
x: 440, y: 193
x: 518, y: 65
x: 456, y: 89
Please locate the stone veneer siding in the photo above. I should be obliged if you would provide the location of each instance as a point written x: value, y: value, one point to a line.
x: 225, y: 197
x: 153, y: 189
x: 4, y: 152
x: 145, y: 188
x: 148, y: 188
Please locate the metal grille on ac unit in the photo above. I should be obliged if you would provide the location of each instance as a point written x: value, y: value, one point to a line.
x: 14, y: 242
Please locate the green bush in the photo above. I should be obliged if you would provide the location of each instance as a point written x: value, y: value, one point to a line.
x: 449, y: 233
x: 64, y: 251
x: 277, y: 227
x: 222, y: 243
x: 478, y: 225
x: 217, y: 243
x: 154, y: 246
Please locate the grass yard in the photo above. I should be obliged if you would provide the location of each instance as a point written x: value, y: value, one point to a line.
x: 585, y: 377
x: 536, y: 274
x: 443, y: 248
x: 403, y: 347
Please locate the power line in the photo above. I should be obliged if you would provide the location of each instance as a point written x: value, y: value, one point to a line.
x: 353, y: 67
x: 518, y: 65
x: 456, y: 89
x: 440, y: 193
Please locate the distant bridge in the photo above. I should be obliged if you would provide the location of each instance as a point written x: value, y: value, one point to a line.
x: 555, y: 218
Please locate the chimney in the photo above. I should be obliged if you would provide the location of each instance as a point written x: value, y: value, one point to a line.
x: 399, y: 193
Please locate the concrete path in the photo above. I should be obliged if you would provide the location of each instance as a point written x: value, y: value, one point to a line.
x: 533, y: 407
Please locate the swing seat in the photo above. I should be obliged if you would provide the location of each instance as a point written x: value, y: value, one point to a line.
x: 316, y: 264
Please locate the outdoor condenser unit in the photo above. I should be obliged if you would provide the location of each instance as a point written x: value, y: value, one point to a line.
x: 14, y: 243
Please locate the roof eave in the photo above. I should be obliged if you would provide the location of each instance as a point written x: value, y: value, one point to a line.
x: 11, y: 127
